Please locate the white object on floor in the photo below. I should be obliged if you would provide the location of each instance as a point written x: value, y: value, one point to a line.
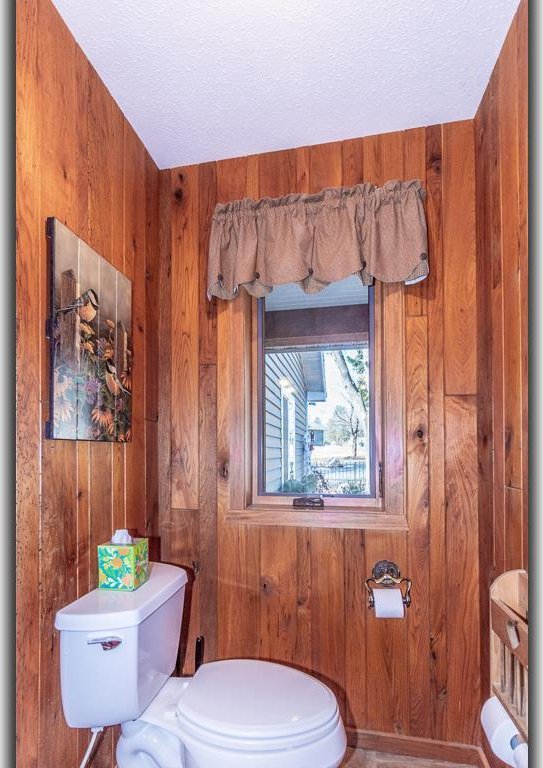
x: 520, y: 755
x: 499, y: 729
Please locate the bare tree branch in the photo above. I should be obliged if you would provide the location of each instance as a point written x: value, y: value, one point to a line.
x: 347, y: 379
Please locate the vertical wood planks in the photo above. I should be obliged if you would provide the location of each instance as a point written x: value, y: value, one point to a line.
x: 101, y: 135
x: 386, y: 641
x: 327, y: 546
x: 387, y: 652
x: 164, y: 359
x: 436, y: 434
x: 502, y: 250
x: 182, y: 536
x: 278, y: 594
x: 70, y: 164
x: 328, y: 625
x: 509, y: 192
x: 356, y: 612
x: 496, y: 304
x: 239, y: 546
x: 426, y: 673
x: 117, y: 253
x: 414, y: 147
x: 459, y: 241
x: 28, y: 427
x: 463, y: 681
x: 278, y: 546
x: 355, y: 569
x: 151, y: 364
x: 352, y: 162
x: 58, y: 502
x: 522, y: 63
x: 207, y: 186
x: 135, y: 453
x: 460, y: 368
x: 317, y: 618
x: 384, y: 160
x: 437, y: 328
x: 416, y: 359
x: 185, y: 338
x: 207, y: 518
x: 152, y: 288
x: 483, y: 129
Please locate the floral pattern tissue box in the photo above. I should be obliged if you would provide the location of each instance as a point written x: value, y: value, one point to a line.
x: 123, y: 567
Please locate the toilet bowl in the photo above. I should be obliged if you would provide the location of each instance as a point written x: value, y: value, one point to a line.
x: 117, y: 652
x: 233, y: 714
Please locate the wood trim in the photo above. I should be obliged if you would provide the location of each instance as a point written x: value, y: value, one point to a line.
x: 500, y: 616
x: 337, y: 518
x: 387, y: 512
x: 362, y: 503
x: 414, y: 746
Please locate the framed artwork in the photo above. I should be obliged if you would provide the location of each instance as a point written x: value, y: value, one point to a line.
x: 90, y: 330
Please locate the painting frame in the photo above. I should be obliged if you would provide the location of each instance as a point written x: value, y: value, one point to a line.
x: 90, y: 342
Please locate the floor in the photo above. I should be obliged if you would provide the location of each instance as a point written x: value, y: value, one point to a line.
x: 360, y: 758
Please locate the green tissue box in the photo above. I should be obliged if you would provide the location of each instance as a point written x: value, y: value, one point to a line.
x: 123, y: 567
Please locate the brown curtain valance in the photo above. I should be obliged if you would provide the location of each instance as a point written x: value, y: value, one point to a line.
x: 313, y: 240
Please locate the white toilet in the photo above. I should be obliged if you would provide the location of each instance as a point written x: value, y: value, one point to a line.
x: 117, y: 652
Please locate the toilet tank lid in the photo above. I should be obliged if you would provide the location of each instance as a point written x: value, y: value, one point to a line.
x: 103, y: 609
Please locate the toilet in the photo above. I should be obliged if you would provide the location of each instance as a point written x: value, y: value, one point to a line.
x: 117, y: 654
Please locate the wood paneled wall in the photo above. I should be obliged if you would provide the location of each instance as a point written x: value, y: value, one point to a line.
x: 291, y: 594
x: 501, y: 131
x: 297, y: 594
x: 77, y: 159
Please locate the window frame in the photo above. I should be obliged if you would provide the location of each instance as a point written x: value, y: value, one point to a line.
x: 237, y: 415
x: 260, y: 495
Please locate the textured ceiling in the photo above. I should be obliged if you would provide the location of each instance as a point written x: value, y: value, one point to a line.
x: 209, y: 79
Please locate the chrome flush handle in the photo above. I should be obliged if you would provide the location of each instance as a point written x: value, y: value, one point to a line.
x: 107, y: 643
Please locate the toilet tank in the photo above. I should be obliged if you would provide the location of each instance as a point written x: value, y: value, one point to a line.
x: 117, y: 649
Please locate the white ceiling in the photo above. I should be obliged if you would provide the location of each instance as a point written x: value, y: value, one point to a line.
x: 209, y: 79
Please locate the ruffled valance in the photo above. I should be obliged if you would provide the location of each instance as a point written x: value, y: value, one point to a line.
x: 314, y: 240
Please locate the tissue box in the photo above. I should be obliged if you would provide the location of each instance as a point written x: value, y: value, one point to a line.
x: 123, y: 567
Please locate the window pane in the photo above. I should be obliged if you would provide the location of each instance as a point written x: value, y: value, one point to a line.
x: 315, y: 391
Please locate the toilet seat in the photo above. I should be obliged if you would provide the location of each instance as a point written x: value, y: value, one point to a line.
x: 237, y: 714
x: 255, y: 706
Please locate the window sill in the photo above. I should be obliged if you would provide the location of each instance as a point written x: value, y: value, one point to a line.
x: 331, y: 517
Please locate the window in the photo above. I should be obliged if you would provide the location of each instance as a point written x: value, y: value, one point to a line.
x: 265, y: 459
x: 316, y: 398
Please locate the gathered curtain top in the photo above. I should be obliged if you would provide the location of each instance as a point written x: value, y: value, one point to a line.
x: 317, y: 239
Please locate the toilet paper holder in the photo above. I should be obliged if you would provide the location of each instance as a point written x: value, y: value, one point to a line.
x: 385, y: 573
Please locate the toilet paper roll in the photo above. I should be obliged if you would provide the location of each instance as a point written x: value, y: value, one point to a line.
x: 499, y: 729
x: 388, y: 603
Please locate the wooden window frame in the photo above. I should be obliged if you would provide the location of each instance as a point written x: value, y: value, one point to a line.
x: 238, y: 425
x: 260, y: 496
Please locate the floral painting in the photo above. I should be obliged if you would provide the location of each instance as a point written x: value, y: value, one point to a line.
x: 91, y: 352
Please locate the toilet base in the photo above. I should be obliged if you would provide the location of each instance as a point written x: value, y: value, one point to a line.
x: 143, y: 745
x: 155, y: 740
x: 149, y: 746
